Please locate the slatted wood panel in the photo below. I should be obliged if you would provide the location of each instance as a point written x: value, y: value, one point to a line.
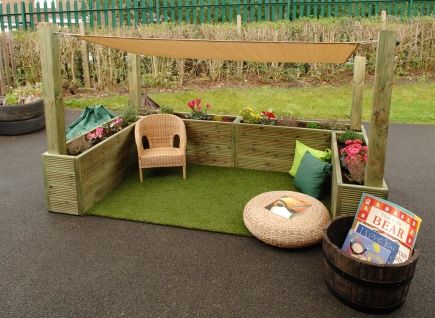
x: 272, y: 148
x: 102, y: 168
x: 61, y: 184
x: 74, y: 184
x: 345, y: 197
x: 209, y: 143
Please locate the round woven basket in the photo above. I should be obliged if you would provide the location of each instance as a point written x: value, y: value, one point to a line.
x: 303, y: 229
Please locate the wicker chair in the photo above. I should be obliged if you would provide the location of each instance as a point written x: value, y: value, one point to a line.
x: 160, y: 131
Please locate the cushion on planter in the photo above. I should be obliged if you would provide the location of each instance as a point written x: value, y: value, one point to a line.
x: 311, y: 175
x: 300, y: 151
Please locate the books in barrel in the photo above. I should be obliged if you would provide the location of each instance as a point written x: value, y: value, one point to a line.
x: 382, y: 232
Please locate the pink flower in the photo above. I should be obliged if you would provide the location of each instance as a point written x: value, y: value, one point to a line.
x: 99, y: 132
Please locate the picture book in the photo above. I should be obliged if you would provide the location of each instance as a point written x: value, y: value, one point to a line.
x: 288, y: 207
x: 387, y: 224
x: 361, y: 247
x: 379, y: 239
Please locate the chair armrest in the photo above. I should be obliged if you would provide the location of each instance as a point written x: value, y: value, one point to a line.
x: 138, y: 139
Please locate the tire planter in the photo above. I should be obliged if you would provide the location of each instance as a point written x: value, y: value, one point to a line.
x: 22, y: 119
x: 364, y: 286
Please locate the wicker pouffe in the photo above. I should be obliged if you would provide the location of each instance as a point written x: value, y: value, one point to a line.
x: 301, y: 230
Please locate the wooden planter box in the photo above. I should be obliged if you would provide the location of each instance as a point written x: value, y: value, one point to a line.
x: 211, y: 142
x: 73, y: 184
x: 345, y: 197
x: 272, y: 148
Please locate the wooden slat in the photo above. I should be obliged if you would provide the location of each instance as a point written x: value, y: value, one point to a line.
x: 272, y: 147
x: 104, y: 166
x: 60, y: 184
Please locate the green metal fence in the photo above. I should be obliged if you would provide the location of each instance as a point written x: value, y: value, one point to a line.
x: 115, y: 13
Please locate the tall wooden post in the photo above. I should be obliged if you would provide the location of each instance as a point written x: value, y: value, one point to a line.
x: 134, y: 83
x: 2, y: 74
x: 85, y: 59
x: 384, y: 19
x: 359, y: 72
x: 52, y: 89
x: 381, y: 108
x: 239, y: 34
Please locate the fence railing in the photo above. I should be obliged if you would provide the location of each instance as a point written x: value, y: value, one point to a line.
x: 115, y: 13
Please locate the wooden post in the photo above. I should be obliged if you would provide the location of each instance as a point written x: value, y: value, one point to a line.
x: 134, y: 83
x: 85, y: 59
x: 384, y: 19
x: 155, y: 65
x: 52, y: 89
x: 181, y: 66
x: 2, y: 74
x: 239, y: 25
x: 381, y: 108
x: 239, y: 33
x: 359, y: 72
x: 6, y: 56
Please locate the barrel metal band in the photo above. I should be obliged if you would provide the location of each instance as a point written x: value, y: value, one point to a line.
x: 366, y: 283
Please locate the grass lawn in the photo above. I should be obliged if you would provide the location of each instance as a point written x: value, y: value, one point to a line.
x: 211, y: 198
x: 411, y: 102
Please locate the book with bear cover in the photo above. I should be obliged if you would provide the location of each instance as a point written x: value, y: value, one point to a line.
x: 386, y: 224
x: 288, y: 207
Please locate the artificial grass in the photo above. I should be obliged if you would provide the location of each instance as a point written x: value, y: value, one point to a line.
x: 211, y: 198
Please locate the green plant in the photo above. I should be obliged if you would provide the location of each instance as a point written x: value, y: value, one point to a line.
x: 10, y: 99
x: 165, y: 109
x: 129, y: 115
x: 313, y: 125
x: 350, y: 135
x: 23, y: 94
x: 250, y: 116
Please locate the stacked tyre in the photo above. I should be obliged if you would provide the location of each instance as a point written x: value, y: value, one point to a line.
x: 22, y: 119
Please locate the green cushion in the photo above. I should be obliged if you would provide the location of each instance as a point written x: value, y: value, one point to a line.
x: 300, y: 151
x: 311, y: 175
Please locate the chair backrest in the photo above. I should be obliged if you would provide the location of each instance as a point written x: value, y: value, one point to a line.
x: 160, y: 130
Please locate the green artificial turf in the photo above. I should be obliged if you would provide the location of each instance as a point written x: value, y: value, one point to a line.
x: 211, y: 198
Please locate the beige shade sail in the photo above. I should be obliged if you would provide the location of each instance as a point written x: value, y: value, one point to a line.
x: 292, y: 52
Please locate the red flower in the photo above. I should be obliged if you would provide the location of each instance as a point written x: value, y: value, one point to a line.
x: 191, y: 104
x: 269, y: 115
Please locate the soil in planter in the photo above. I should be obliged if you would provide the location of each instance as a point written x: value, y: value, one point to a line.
x: 328, y: 125
x: 218, y: 118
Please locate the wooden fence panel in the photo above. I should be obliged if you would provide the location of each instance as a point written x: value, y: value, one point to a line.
x: 99, y: 13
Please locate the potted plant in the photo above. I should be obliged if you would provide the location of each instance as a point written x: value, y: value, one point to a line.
x: 349, y: 158
x: 22, y: 111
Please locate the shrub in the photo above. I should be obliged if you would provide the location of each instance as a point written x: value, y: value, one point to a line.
x: 165, y: 109
x: 350, y: 135
x: 129, y: 115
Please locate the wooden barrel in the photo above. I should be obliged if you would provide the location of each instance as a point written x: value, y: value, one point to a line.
x: 359, y: 284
